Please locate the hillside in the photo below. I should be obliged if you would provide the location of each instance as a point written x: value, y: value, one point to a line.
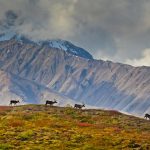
x: 39, y: 127
x: 14, y: 87
x: 95, y: 82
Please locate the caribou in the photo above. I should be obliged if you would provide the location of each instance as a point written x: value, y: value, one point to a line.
x: 14, y: 102
x: 147, y: 116
x: 78, y: 106
x: 50, y: 102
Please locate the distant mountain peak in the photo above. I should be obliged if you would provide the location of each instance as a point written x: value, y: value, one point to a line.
x: 68, y: 47
x: 54, y: 43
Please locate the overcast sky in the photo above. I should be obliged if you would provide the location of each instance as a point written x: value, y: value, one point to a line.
x: 117, y: 30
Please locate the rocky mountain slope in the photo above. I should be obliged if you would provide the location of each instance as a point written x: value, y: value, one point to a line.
x: 26, y: 91
x: 75, y: 75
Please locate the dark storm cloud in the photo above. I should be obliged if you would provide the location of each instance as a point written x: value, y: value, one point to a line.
x: 115, y: 29
x: 10, y: 17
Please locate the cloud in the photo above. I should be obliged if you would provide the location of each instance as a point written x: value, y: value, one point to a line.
x: 39, y: 19
x: 143, y: 61
x: 116, y: 30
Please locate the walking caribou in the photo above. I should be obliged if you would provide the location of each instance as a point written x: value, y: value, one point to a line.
x: 147, y: 116
x: 50, y: 102
x: 78, y: 106
x: 14, y: 102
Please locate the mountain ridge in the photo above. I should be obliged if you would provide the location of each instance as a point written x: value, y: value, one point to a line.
x: 58, y: 44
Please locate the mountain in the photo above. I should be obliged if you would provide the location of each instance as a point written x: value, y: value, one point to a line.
x: 58, y: 44
x: 68, y: 47
x: 77, y: 76
x: 14, y: 87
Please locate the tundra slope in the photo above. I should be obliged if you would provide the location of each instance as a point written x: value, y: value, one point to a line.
x: 95, y: 82
x: 40, y: 127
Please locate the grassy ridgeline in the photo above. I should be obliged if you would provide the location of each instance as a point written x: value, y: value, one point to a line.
x: 37, y: 127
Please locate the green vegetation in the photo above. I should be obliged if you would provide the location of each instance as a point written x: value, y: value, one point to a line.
x: 37, y: 127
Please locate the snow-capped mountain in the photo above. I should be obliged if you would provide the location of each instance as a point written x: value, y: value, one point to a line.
x: 51, y: 65
x: 58, y: 44
x: 68, y: 47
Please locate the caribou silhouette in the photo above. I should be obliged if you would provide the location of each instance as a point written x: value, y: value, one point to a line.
x: 50, y: 102
x: 14, y: 102
x: 147, y: 116
x: 78, y: 106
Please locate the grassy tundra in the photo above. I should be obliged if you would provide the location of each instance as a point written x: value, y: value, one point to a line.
x: 39, y: 127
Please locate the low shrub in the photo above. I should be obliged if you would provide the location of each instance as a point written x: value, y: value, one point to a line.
x: 26, y: 135
x: 5, y: 146
x: 15, y: 123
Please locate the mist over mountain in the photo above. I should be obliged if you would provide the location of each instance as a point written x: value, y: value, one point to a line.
x: 36, y: 70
